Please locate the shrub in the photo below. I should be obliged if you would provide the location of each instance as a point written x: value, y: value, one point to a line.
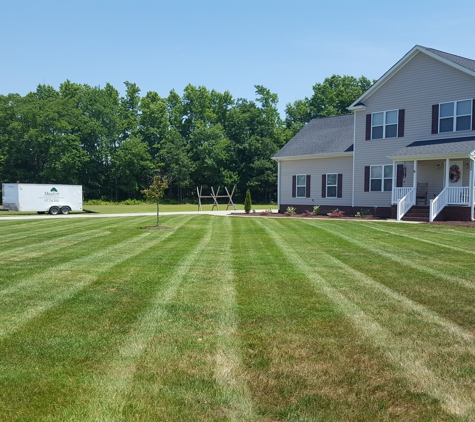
x: 247, y: 202
x: 336, y: 213
x: 290, y: 210
x: 316, y: 209
x: 132, y: 202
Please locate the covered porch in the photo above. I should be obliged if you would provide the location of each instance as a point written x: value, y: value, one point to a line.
x: 441, y: 180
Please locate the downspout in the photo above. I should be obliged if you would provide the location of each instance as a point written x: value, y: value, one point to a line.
x: 278, y: 186
x: 471, y: 184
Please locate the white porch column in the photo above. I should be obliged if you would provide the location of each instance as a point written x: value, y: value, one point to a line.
x: 278, y: 186
x: 394, y: 182
x: 446, y: 180
x: 472, y: 184
x: 414, y: 180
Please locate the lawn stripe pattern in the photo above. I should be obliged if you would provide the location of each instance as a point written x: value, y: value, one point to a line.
x: 397, y: 254
x: 242, y: 319
x: 228, y: 354
x: 109, y: 397
x: 57, y: 284
x: 420, y: 239
x: 454, y: 398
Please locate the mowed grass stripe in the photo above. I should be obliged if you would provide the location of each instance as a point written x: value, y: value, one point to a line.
x: 33, y: 296
x: 191, y: 368
x: 228, y: 356
x: 110, y: 390
x: 378, y: 227
x: 376, y: 292
x: 453, y: 398
x: 397, y: 254
x: 35, y: 231
x: 38, y: 249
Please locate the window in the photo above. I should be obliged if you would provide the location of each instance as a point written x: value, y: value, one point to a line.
x: 332, y: 184
x: 381, y: 178
x: 384, y: 124
x: 301, y: 185
x: 455, y: 116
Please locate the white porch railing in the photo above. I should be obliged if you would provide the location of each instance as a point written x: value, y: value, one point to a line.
x: 399, y: 193
x: 406, y: 202
x: 448, y: 196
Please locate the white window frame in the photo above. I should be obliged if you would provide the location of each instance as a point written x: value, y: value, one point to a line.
x: 382, y: 178
x: 455, y: 115
x: 304, y: 186
x: 385, y: 124
x: 331, y: 186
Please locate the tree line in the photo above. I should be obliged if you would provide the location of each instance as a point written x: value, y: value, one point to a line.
x: 113, y: 145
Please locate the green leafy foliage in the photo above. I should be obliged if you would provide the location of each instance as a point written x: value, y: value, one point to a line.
x: 111, y: 144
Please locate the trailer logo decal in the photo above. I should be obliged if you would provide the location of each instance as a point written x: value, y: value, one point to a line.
x: 54, y: 190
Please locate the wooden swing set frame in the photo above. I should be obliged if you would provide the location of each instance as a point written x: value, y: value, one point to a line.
x: 215, y: 196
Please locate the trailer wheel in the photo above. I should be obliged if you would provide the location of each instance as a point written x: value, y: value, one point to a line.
x: 65, y: 210
x: 54, y: 210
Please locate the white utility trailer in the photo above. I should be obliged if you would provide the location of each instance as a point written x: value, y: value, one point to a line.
x: 47, y: 198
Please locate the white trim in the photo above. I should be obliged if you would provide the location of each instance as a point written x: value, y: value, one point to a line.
x: 472, y: 184
x: 454, y: 116
x: 427, y: 156
x: 279, y: 185
x: 297, y: 186
x: 335, y: 185
x: 384, y: 113
x: 313, y: 156
x: 382, y: 177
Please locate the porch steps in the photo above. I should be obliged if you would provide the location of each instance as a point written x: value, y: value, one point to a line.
x: 417, y: 213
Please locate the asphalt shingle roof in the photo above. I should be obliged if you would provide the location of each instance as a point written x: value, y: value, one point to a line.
x: 461, y: 61
x: 438, y: 146
x: 325, y: 135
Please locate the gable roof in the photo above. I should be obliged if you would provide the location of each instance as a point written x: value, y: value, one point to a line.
x: 324, y: 136
x: 461, y: 63
x: 436, y: 148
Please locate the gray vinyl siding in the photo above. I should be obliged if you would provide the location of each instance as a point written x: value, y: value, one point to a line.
x: 315, y: 168
x: 422, y: 82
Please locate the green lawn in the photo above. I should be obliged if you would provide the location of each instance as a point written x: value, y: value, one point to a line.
x: 232, y: 318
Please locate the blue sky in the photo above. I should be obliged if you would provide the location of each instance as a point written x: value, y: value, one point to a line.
x: 287, y: 46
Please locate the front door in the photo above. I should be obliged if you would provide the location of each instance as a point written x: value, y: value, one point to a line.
x: 455, y: 174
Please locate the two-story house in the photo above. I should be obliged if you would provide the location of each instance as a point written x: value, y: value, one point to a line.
x: 408, y: 145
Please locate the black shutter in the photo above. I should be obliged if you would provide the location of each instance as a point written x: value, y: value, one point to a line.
x: 400, y: 126
x: 473, y: 114
x: 435, y: 119
x: 307, y: 190
x: 366, y: 178
x: 324, y: 185
x: 368, y: 127
x: 399, y: 175
x: 339, y: 188
x: 294, y: 186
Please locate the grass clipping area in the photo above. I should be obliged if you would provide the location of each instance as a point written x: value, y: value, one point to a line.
x: 224, y: 318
